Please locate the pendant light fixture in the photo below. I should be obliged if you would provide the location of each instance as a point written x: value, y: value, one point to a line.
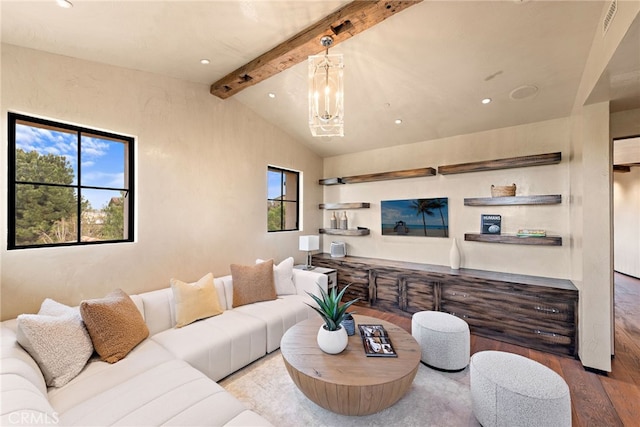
x: 326, y: 92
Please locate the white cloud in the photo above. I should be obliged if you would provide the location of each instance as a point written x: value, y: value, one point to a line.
x: 103, y: 179
x: 45, y: 141
x: 93, y: 147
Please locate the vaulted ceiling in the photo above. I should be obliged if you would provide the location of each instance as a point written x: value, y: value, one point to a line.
x: 429, y: 65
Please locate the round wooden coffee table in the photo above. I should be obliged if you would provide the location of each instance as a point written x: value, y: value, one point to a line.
x: 350, y: 383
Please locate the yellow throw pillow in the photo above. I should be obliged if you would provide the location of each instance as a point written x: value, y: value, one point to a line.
x: 195, y: 301
x: 114, y: 324
x: 253, y: 283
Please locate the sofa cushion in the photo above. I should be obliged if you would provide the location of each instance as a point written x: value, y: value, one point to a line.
x: 114, y: 324
x: 100, y: 376
x: 283, y: 276
x: 23, y: 392
x: 57, y: 340
x: 279, y: 316
x: 219, y: 345
x: 22, y: 404
x: 253, y: 283
x: 195, y: 301
x: 148, y: 387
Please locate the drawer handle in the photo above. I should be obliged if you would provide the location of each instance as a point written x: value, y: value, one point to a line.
x: 546, y: 334
x: 547, y: 310
x: 456, y: 294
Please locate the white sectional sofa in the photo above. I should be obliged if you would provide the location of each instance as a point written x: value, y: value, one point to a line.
x: 169, y: 378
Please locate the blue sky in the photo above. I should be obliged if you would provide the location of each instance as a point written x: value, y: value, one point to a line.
x: 102, y: 161
x: 273, y: 185
x: 401, y: 210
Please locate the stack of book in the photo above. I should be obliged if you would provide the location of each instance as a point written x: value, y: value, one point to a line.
x: 531, y: 233
x: 376, y: 341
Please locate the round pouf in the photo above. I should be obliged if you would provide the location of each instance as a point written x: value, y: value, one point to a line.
x: 443, y: 338
x: 511, y: 390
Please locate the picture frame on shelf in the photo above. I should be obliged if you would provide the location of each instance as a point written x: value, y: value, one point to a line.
x: 490, y: 224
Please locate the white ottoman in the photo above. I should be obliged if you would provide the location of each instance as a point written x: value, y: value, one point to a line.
x: 511, y: 390
x: 443, y: 338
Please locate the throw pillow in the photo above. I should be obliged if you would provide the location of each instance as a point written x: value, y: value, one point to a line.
x: 253, y: 283
x: 114, y: 324
x: 57, y: 340
x: 283, y: 277
x: 195, y: 301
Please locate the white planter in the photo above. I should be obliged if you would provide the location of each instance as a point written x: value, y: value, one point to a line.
x: 332, y: 342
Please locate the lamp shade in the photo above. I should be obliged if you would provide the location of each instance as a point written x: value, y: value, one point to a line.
x: 309, y: 243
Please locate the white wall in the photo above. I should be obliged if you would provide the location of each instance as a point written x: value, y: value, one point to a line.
x: 591, y: 243
x: 591, y: 196
x: 201, y: 180
x: 626, y: 222
x: 626, y: 200
x: 535, y: 138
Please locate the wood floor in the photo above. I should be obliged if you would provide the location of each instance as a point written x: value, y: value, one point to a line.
x: 596, y: 400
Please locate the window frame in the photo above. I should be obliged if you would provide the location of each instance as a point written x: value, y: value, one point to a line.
x: 12, y: 183
x: 282, y: 171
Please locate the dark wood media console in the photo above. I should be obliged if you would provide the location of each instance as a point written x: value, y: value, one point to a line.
x: 535, y: 312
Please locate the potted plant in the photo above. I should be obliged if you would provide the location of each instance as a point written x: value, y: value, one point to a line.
x: 332, y: 337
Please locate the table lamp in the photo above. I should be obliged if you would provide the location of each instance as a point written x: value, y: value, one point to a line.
x: 309, y: 243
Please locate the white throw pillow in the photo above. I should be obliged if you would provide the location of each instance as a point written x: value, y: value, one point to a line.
x: 57, y: 340
x: 283, y: 277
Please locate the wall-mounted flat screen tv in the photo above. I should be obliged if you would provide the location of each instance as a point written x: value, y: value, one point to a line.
x: 416, y: 217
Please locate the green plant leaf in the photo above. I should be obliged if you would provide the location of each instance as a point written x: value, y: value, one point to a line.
x: 329, y: 307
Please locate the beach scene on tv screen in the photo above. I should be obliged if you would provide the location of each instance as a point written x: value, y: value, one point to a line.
x: 415, y: 217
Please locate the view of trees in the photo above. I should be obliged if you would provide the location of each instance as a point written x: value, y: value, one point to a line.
x: 275, y: 213
x: 46, y: 208
x: 426, y: 207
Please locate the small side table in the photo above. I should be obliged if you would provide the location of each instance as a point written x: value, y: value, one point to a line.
x: 332, y: 280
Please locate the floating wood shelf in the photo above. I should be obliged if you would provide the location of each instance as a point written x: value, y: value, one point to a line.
x: 350, y: 232
x: 356, y: 205
x: 621, y: 168
x: 547, y: 199
x: 507, y: 163
x: 383, y: 176
x: 330, y: 181
x: 514, y: 240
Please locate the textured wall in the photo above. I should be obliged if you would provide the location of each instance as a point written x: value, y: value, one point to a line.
x: 201, y: 180
x: 536, y: 138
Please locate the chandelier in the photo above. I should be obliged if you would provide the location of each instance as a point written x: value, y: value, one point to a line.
x: 326, y: 92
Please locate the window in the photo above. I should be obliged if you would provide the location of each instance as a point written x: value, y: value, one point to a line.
x: 67, y: 185
x: 282, y: 199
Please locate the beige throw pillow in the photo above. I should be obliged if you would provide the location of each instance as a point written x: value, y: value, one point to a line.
x: 253, y: 283
x: 195, y: 301
x: 57, y: 340
x: 114, y: 324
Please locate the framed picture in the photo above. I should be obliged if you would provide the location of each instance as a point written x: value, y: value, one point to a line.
x: 415, y: 217
x: 490, y: 224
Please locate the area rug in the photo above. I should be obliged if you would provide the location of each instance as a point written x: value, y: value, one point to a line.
x: 435, y: 399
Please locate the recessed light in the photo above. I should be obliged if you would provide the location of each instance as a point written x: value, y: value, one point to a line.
x: 398, y: 121
x: 272, y: 95
x: 64, y: 3
x: 205, y: 61
x: 486, y: 101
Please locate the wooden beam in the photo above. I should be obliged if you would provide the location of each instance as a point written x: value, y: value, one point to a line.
x: 343, y: 24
